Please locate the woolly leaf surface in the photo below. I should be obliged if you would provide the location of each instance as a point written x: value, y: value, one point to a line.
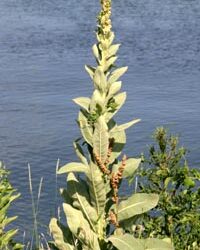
x: 116, y: 74
x: 83, y: 102
x: 78, y: 191
x: 136, y: 204
x: 73, y: 167
x: 101, y: 139
x: 85, y: 128
x: 97, y: 188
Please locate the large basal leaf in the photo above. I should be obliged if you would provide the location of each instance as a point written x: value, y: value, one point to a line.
x: 80, y: 227
x: 83, y: 102
x: 125, y: 126
x: 116, y: 74
x: 97, y: 188
x: 126, y: 242
x: 58, y: 236
x: 78, y: 192
x: 73, y: 167
x: 85, y: 128
x: 136, y: 204
x: 101, y: 139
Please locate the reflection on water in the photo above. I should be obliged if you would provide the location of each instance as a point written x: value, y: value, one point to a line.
x: 43, y: 47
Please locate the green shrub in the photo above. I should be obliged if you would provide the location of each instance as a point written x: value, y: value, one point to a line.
x: 166, y: 172
x: 7, y: 196
x: 96, y: 216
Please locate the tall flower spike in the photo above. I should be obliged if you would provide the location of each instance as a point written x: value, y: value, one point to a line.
x: 104, y: 20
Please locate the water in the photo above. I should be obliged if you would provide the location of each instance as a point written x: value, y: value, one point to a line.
x: 43, y: 47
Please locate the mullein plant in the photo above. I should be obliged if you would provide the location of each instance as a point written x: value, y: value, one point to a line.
x: 96, y: 216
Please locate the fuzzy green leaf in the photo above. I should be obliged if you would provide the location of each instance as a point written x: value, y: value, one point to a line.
x: 113, y: 50
x: 97, y: 99
x: 111, y: 38
x: 73, y: 167
x: 80, y: 153
x: 156, y: 244
x: 85, y: 128
x: 136, y: 204
x: 58, y: 236
x: 125, y: 126
x: 97, y: 188
x: 83, y: 102
x: 131, y: 166
x: 110, y: 62
x: 116, y: 74
x: 114, y: 88
x: 75, y: 220
x: 99, y: 79
x: 101, y: 139
x: 80, y: 227
x: 119, y: 101
x: 119, y: 142
x: 95, y: 51
x: 126, y: 242
x: 78, y: 191
x: 90, y: 70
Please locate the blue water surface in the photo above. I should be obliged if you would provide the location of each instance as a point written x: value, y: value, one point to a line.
x: 43, y: 48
